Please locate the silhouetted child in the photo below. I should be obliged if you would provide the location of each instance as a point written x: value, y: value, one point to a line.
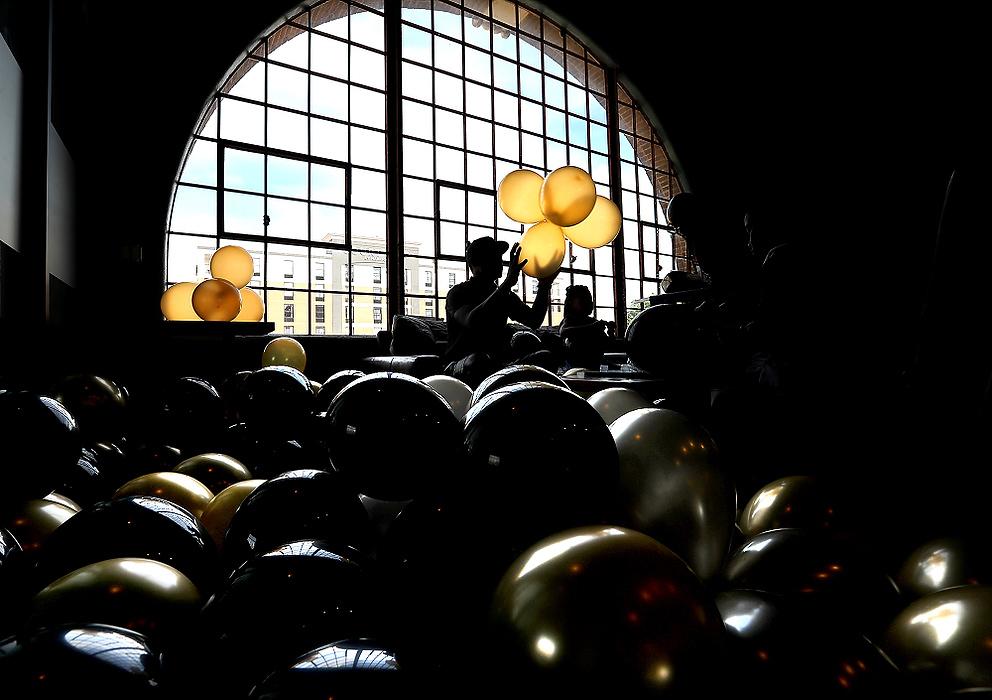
x: 585, y: 337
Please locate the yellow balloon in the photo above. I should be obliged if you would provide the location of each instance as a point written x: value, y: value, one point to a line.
x: 543, y: 246
x: 519, y: 196
x: 568, y: 196
x: 182, y: 489
x: 177, y: 302
x: 287, y: 352
x: 216, y: 300
x: 599, y: 228
x: 234, y: 264
x: 218, y: 512
x: 252, y: 306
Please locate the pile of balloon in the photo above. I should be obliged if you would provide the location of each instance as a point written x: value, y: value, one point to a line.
x: 378, y: 535
x: 224, y: 296
x: 562, y: 206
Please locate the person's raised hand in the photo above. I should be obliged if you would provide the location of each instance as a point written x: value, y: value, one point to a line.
x: 516, y: 264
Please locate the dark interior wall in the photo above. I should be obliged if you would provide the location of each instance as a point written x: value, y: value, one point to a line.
x: 865, y: 115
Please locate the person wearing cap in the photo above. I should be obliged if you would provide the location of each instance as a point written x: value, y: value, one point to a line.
x: 477, y: 311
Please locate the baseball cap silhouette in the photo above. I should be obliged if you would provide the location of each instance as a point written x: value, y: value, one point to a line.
x: 485, y: 248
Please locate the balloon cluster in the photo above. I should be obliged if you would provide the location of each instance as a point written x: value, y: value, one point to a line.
x: 563, y: 205
x: 380, y: 535
x: 225, y: 296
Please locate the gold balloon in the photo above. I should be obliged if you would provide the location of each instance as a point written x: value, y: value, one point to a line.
x: 33, y: 520
x: 285, y: 352
x: 234, y: 264
x: 673, y: 486
x: 599, y: 228
x: 181, y: 489
x: 568, y: 196
x: 613, y: 402
x: 600, y: 604
x: 177, y: 302
x: 543, y: 247
x: 252, y: 306
x: 218, y: 512
x: 519, y: 196
x: 941, y: 641
x: 140, y: 594
x: 214, y: 470
x: 216, y: 300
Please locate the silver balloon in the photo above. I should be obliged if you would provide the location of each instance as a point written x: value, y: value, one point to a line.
x: 673, y: 487
x: 455, y: 391
x: 941, y: 640
x: 614, y: 401
x: 943, y: 563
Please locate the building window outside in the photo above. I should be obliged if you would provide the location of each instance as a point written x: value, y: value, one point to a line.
x: 289, y: 158
x: 288, y: 313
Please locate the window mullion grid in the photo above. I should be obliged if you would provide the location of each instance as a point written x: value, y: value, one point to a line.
x: 616, y: 194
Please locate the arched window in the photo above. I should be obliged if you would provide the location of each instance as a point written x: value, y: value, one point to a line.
x: 356, y: 149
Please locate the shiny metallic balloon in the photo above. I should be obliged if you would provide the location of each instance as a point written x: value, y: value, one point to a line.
x: 605, y: 609
x: 217, y: 514
x: 943, y: 563
x: 144, y: 595
x: 173, y: 486
x: 59, y: 662
x: 214, y: 470
x: 941, y: 640
x: 783, y: 648
x: 796, y: 501
x: 457, y: 393
x: 514, y: 374
x: 613, y: 402
x: 820, y: 569
x: 673, y: 487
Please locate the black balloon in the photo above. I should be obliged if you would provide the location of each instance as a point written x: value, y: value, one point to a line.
x: 134, y: 526
x: 297, y: 505
x: 828, y: 573
x: 514, y: 374
x: 288, y: 601
x: 267, y: 456
x: 442, y: 558
x: 332, y: 385
x: 98, y: 403
x: 665, y: 340
x: 542, y: 455
x: 346, y: 670
x: 190, y: 414
x: 373, y: 430
x: 276, y: 402
x: 783, y: 648
x: 67, y: 661
x: 42, y: 443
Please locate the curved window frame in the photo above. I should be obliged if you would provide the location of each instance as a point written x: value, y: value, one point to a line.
x: 394, y: 214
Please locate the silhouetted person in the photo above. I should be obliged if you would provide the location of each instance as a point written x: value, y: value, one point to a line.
x: 477, y: 311
x: 585, y: 336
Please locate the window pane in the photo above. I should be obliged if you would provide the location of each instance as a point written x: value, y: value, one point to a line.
x: 244, y: 213
x: 201, y: 164
x: 241, y: 121
x: 194, y: 210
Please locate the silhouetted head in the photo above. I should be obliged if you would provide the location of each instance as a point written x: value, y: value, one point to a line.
x: 485, y: 257
x: 578, y: 299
